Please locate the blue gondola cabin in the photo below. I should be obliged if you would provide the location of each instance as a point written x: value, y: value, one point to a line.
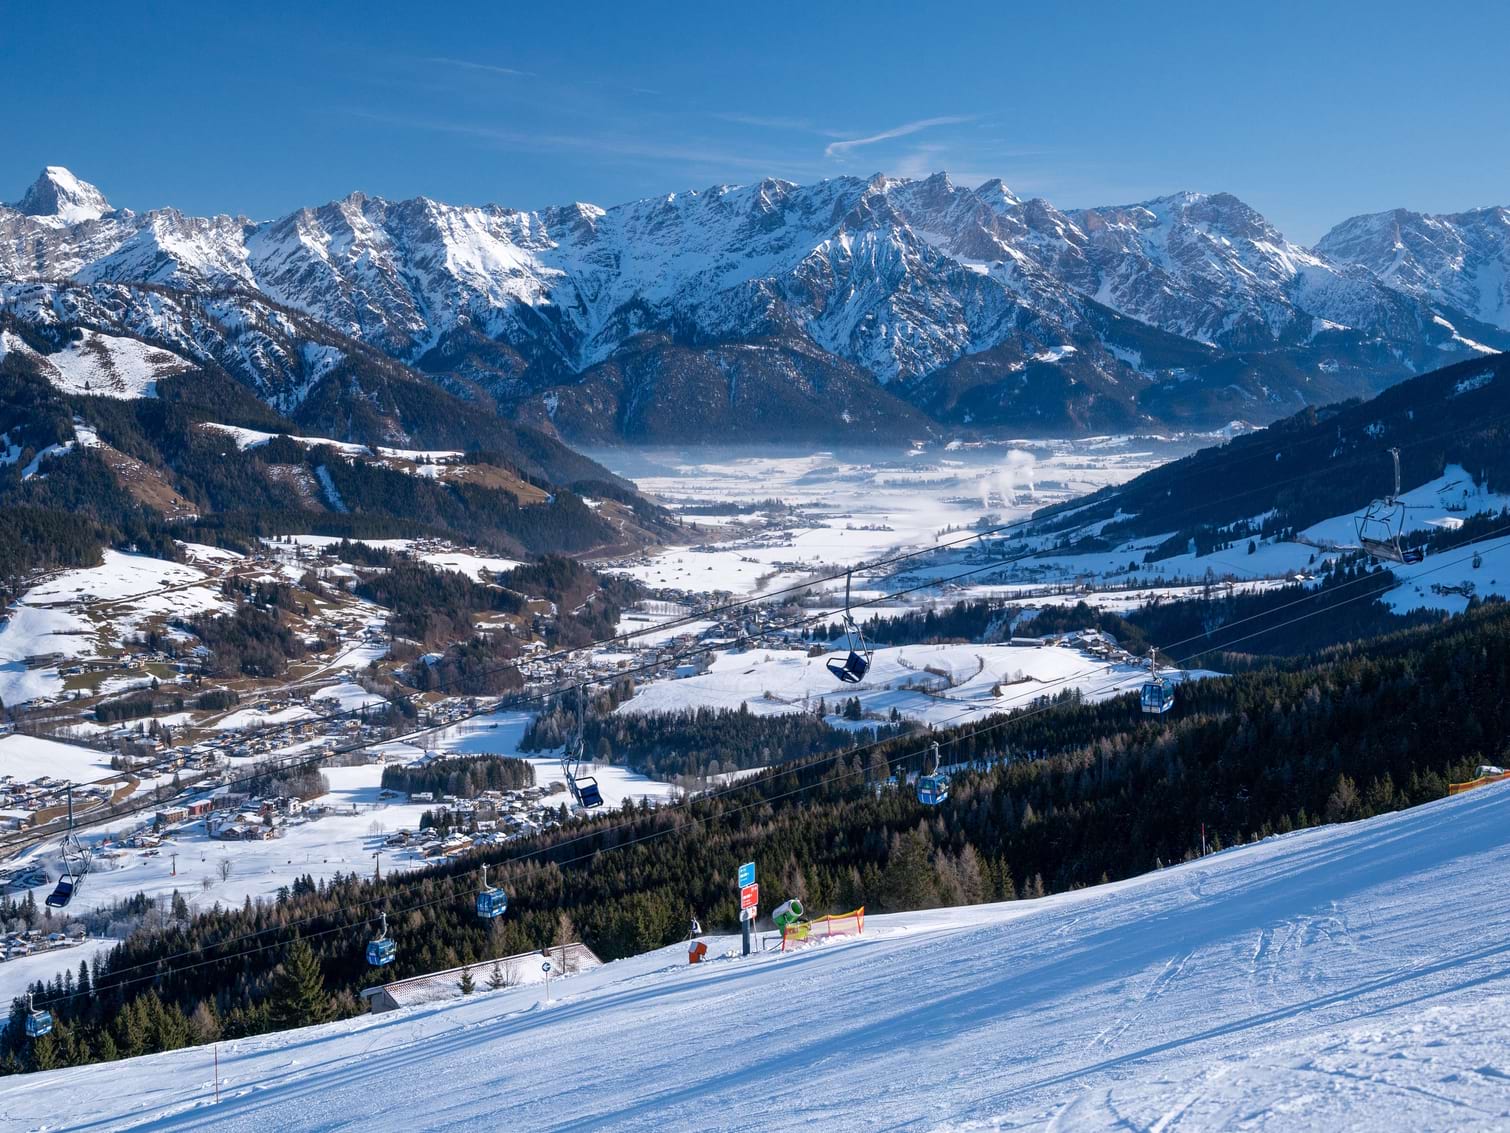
x: 933, y: 789
x: 1158, y: 697
x: 39, y: 1023
x: 492, y: 903
x: 381, y: 952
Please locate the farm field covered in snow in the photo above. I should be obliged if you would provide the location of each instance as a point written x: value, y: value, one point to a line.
x: 854, y: 506
x: 937, y: 684
x: 1350, y: 977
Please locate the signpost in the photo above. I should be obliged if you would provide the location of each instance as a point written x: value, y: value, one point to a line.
x: 545, y: 966
x: 749, y: 901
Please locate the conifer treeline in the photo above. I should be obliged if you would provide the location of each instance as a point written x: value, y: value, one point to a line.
x: 464, y: 777
x: 697, y: 742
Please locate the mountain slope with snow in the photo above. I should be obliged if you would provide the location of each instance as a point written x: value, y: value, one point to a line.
x: 1459, y: 261
x: 1346, y: 977
x: 969, y: 303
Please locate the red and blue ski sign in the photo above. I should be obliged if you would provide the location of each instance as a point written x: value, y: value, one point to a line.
x: 747, y: 874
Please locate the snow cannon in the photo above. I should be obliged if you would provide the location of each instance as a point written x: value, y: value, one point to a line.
x: 787, y: 914
x: 696, y: 950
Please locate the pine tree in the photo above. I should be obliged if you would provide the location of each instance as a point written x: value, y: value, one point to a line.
x: 44, y: 1054
x: 496, y: 977
x: 467, y: 984
x: 298, y: 997
x: 909, y: 881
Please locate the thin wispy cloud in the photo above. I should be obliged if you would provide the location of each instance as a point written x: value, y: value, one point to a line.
x: 486, y: 68
x: 765, y: 122
x: 836, y: 149
x: 599, y: 144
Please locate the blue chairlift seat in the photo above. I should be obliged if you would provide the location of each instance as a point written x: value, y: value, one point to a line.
x: 381, y: 951
x: 587, y: 792
x: 63, y: 894
x: 851, y: 670
x: 39, y: 1023
x: 933, y: 789
x: 1157, y: 697
x: 492, y: 903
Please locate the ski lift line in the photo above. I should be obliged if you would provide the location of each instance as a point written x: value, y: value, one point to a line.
x: 543, y: 696
x: 157, y: 965
x: 766, y: 597
x: 525, y: 699
x: 651, y: 835
x: 518, y: 700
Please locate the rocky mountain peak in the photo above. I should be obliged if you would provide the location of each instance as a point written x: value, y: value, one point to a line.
x: 58, y: 194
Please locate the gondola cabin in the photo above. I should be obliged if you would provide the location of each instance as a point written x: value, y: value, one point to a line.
x: 381, y: 952
x: 933, y: 789
x: 39, y: 1023
x: 1157, y: 697
x: 492, y: 903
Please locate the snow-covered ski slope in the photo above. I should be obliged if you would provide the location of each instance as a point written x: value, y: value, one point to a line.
x: 1351, y: 977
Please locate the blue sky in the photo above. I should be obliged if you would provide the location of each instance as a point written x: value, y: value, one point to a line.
x: 1310, y: 112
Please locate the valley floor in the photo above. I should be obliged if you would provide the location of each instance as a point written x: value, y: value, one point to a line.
x: 1348, y: 977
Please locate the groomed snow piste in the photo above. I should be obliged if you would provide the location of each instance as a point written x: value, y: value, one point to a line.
x: 1351, y: 977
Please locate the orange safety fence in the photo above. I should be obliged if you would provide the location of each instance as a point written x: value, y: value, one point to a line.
x: 839, y: 924
x: 1459, y: 788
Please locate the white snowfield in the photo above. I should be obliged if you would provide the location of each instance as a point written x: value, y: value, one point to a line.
x: 251, y: 438
x: 913, y: 679
x: 1438, y: 583
x: 109, y: 365
x: 1345, y: 978
x: 54, y: 619
x: 857, y: 505
x: 31, y: 757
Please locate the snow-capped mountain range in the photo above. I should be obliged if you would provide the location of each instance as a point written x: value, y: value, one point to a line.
x: 971, y: 306
x: 1460, y: 261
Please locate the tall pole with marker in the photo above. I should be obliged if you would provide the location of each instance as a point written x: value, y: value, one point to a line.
x: 749, y: 903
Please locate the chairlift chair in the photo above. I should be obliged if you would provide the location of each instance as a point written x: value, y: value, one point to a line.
x: 853, y: 668
x: 1157, y: 694
x: 61, y: 894
x: 933, y: 788
x: 1382, y: 524
x: 380, y: 950
x: 584, y: 788
x: 491, y: 901
x: 38, y: 1023
x: 76, y: 862
x: 588, y: 794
